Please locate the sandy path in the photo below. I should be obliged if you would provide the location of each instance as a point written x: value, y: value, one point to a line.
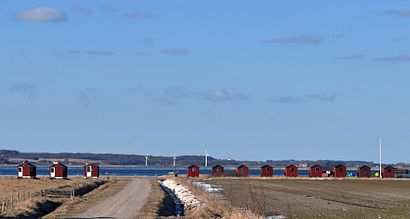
x: 125, y: 204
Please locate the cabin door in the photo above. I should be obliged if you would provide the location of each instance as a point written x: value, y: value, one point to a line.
x: 52, y: 172
x: 89, y: 171
x: 20, y: 172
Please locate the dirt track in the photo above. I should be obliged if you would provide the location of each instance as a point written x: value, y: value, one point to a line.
x: 125, y: 204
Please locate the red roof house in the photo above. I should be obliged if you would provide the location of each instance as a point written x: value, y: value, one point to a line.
x: 193, y: 171
x: 242, y: 170
x: 266, y: 171
x: 26, y: 170
x: 339, y: 171
x: 363, y: 171
x: 91, y: 170
x: 315, y: 171
x: 389, y: 172
x: 291, y: 171
x: 58, y: 171
x: 218, y: 170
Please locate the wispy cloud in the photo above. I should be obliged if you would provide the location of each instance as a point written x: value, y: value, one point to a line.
x: 398, y: 13
x: 325, y: 97
x: 400, y: 58
x: 140, y: 15
x: 27, y: 89
x: 108, y: 8
x: 87, y: 97
x: 40, y: 15
x: 176, y: 51
x: 351, y: 57
x: 79, y: 9
x: 100, y: 52
x: 303, y: 39
x: 139, y: 53
x: 174, y: 95
x: 222, y: 95
x: 149, y: 40
x: 170, y: 96
x: 74, y: 52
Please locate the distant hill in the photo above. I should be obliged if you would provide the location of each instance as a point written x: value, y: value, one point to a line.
x: 42, y: 158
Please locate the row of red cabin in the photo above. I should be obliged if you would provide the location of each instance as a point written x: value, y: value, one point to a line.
x: 56, y: 170
x: 292, y: 171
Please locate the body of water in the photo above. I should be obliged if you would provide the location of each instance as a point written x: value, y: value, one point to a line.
x: 138, y: 171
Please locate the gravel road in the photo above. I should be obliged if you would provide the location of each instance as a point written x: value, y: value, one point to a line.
x: 125, y: 204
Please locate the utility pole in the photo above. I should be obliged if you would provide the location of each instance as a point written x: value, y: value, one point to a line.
x: 380, y: 158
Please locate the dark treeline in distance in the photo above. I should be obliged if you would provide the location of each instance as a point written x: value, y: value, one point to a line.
x: 43, y: 158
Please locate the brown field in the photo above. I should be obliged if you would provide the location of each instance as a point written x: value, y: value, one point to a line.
x: 9, y: 186
x: 83, y: 203
x: 326, y: 198
x: 26, y: 198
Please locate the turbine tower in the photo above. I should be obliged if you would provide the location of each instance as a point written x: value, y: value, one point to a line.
x: 146, y: 160
x: 206, y: 158
x: 174, y: 158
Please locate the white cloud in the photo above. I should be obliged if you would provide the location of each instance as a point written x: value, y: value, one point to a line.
x: 174, y: 95
x: 222, y: 95
x: 40, y: 15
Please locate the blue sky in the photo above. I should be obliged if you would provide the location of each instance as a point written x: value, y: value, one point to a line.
x: 249, y: 80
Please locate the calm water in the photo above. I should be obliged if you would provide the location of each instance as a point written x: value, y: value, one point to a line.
x: 138, y: 171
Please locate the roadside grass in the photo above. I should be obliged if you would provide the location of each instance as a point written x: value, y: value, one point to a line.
x: 70, y: 209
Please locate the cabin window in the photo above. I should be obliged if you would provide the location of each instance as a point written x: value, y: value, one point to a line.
x: 243, y: 170
x: 267, y: 169
x: 193, y: 169
x: 340, y: 169
x: 52, y: 170
x: 316, y: 169
x: 365, y: 171
x: 291, y: 169
x: 388, y: 170
x: 88, y: 169
x: 20, y: 169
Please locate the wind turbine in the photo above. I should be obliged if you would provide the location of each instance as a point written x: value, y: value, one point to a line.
x: 146, y: 160
x: 174, y: 158
x: 206, y: 158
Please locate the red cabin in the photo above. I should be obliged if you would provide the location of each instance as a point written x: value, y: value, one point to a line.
x: 58, y: 171
x: 339, y: 171
x: 26, y: 170
x: 242, y: 170
x: 389, y: 172
x: 266, y: 171
x: 291, y: 171
x: 218, y: 170
x: 315, y: 171
x: 364, y: 171
x: 91, y: 170
x: 193, y: 171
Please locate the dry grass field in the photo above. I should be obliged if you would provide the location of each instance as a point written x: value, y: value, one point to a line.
x: 29, y: 201
x: 81, y: 204
x: 307, y: 198
x: 9, y: 186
